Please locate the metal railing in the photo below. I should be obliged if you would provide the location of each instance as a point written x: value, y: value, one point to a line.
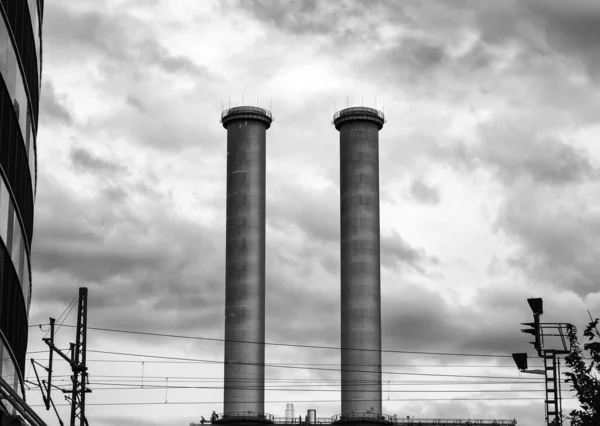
x: 489, y: 422
x: 245, y: 415
x: 359, y: 417
x: 246, y: 110
x: 303, y: 421
x: 359, y: 111
x: 385, y: 418
x: 362, y: 417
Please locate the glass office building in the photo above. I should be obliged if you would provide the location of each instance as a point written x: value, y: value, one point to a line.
x: 20, y: 68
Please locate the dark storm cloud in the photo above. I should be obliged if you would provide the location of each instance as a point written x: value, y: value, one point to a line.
x: 127, y: 259
x: 544, y: 210
x: 159, y: 55
x: 52, y: 106
x: 127, y: 54
x: 424, y: 193
x: 547, y: 161
x: 316, y: 215
x: 544, y: 29
x: 397, y: 251
x: 304, y: 17
x: 136, y: 103
x: 415, y: 318
x: 299, y: 313
x: 313, y: 19
x: 118, y: 38
x: 85, y: 160
x: 540, y: 29
x: 572, y: 29
x: 558, y: 243
x: 314, y: 212
x: 92, y: 31
x: 412, y: 313
x: 414, y: 54
x: 517, y: 151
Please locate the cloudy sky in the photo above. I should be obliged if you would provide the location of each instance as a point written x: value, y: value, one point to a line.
x: 489, y: 172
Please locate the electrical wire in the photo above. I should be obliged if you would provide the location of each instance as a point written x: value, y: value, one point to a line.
x: 103, y: 384
x: 161, y: 385
x: 58, y: 319
x: 128, y: 386
x: 321, y: 364
x: 311, y: 368
x: 66, y: 316
x: 292, y: 345
x: 192, y: 378
x: 335, y: 401
x: 300, y: 382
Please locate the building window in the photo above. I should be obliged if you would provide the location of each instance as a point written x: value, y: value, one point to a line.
x: 4, y: 203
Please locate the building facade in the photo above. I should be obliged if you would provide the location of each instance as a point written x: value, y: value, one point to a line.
x: 20, y: 68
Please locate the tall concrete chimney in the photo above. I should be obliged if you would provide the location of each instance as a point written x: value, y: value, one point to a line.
x: 245, y: 261
x: 360, y: 265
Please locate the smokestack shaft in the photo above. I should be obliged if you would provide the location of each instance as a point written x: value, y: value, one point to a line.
x: 360, y: 259
x: 245, y: 259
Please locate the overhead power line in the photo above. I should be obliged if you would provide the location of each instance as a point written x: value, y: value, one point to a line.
x: 68, y: 308
x: 334, y: 401
x: 301, y: 382
x: 285, y: 386
x: 292, y: 345
x: 316, y: 364
x: 129, y: 386
x: 315, y: 368
x: 309, y: 380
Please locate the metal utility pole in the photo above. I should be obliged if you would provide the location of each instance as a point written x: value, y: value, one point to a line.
x: 551, y: 371
x: 79, y: 365
x: 77, y: 360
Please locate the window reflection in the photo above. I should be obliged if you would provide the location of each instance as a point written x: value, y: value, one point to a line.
x: 4, y: 203
x: 21, y: 99
x: 4, y: 42
x: 9, y: 373
x: 14, y: 241
x: 16, y: 245
x: 8, y: 368
x: 26, y: 285
x: 32, y: 165
x: 11, y: 70
x: 30, y: 150
x: 13, y: 79
x: 21, y: 263
x: 35, y: 24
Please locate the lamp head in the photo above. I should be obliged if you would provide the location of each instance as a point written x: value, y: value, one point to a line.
x: 521, y: 361
x: 537, y: 305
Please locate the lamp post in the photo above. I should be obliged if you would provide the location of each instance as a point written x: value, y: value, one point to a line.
x: 551, y: 370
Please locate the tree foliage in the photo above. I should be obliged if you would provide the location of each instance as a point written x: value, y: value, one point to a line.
x: 583, y: 376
